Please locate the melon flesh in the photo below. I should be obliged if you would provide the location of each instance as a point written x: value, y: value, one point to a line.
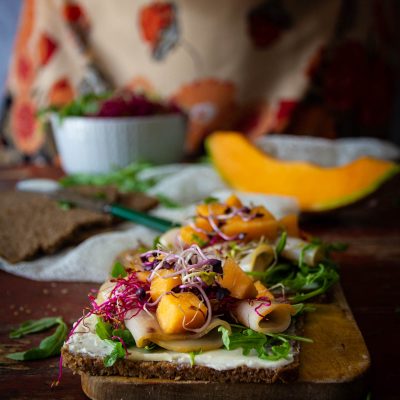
x: 246, y: 168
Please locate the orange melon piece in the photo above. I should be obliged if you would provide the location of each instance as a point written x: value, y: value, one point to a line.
x: 233, y: 201
x: 239, y: 284
x: 253, y: 229
x: 211, y: 209
x: 142, y: 275
x: 181, y: 311
x: 246, y: 168
x: 203, y: 223
x: 161, y: 285
x: 261, y: 210
x: 290, y: 223
x: 190, y: 236
x: 262, y: 291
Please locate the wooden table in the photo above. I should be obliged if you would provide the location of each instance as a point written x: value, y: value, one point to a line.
x: 370, y: 272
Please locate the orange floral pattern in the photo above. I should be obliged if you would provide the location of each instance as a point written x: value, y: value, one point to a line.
x: 211, y: 105
x: 47, y: 46
x: 159, y: 27
x: 61, y: 92
x: 26, y: 132
x: 222, y: 84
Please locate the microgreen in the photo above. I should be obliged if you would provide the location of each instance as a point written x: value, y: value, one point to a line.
x: 281, y: 243
x: 192, y: 356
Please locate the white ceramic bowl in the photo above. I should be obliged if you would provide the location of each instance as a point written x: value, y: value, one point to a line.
x: 96, y: 145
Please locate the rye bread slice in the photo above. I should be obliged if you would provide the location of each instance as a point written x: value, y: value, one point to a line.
x: 82, y: 364
x: 32, y: 224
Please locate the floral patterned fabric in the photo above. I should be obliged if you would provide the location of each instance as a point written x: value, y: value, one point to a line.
x: 321, y: 67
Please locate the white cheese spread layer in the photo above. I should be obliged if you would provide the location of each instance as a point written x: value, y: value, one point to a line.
x: 85, y: 342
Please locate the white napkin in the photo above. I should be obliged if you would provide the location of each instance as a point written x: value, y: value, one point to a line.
x: 92, y: 260
x: 326, y: 152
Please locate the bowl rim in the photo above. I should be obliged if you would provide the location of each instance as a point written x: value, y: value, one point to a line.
x: 54, y: 117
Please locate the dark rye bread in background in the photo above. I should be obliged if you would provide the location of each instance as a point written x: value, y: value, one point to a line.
x: 81, y: 364
x: 32, y: 225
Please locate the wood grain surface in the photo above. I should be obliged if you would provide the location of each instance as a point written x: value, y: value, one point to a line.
x: 370, y: 277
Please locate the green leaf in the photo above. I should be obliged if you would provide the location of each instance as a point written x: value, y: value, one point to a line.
x: 117, y: 352
x: 192, y: 356
x: 33, y: 326
x: 125, y: 335
x: 271, y: 346
x: 125, y: 179
x: 210, y: 199
x: 103, y: 329
x: 166, y: 201
x: 156, y: 241
x: 302, y: 308
x: 151, y: 347
x: 118, y: 270
x: 65, y: 205
x: 198, y: 240
x: 281, y: 243
x: 48, y: 347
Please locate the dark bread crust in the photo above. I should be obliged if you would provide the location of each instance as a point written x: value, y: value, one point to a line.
x: 81, y: 364
x: 32, y: 224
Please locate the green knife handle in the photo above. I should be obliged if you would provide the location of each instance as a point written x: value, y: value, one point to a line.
x: 158, y: 224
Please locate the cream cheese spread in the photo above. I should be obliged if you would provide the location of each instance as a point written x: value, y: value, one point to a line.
x: 85, y: 342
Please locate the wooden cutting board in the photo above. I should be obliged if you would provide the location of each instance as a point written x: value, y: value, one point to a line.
x: 333, y: 367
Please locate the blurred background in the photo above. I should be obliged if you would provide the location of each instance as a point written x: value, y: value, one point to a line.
x: 324, y: 68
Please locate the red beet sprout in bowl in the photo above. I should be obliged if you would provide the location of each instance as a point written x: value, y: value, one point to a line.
x: 127, y: 104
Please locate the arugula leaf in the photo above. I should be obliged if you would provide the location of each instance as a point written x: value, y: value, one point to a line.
x: 166, y: 201
x: 32, y: 326
x: 65, y: 205
x: 281, y: 243
x: 103, y: 329
x: 301, y: 308
x: 126, y: 179
x: 48, y: 347
x: 84, y: 105
x: 125, y: 335
x: 210, y: 199
x: 118, y: 270
x: 271, y: 346
x: 117, y: 352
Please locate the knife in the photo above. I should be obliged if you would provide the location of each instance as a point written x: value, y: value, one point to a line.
x: 117, y: 210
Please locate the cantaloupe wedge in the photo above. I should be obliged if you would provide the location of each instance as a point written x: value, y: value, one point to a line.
x: 246, y: 168
x: 162, y: 284
x: 178, y: 312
